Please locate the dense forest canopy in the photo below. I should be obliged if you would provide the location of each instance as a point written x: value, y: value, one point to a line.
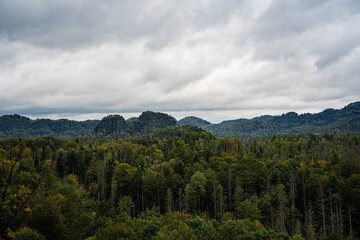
x: 180, y: 183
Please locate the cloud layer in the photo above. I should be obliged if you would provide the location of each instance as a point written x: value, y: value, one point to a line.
x: 211, y: 58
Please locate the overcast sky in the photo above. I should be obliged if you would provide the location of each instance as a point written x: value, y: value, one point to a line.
x: 216, y: 59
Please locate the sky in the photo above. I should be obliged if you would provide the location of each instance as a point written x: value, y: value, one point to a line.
x: 215, y: 59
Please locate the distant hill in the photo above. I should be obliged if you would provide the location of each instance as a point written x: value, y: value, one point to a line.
x: 193, y: 121
x: 20, y: 126
x: 147, y: 122
x: 111, y: 125
x: 329, y: 121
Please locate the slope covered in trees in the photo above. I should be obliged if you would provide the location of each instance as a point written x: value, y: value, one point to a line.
x: 112, y: 125
x: 193, y: 121
x: 180, y: 183
x: 330, y: 121
x: 19, y: 126
x: 115, y: 125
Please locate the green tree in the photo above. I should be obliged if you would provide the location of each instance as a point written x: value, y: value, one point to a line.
x: 195, y: 190
x: 14, y: 197
x: 125, y: 206
x: 124, y: 175
x: 26, y: 233
x: 249, y: 209
x: 115, y: 232
x: 175, y: 231
x: 169, y: 200
x: 202, y: 229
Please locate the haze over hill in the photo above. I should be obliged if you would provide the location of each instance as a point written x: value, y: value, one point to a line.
x: 329, y: 121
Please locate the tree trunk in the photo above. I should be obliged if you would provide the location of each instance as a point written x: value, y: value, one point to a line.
x: 142, y: 202
x: 323, y: 211
x: 350, y: 227
x: 341, y: 221
x: 337, y: 220
x: 229, y: 188
x: 138, y: 196
x: 268, y: 183
x: 180, y: 200
x: 292, y: 195
x: 169, y: 200
x: 331, y: 214
x: 272, y: 217
x: 310, y: 230
x: 304, y: 198
x: 221, y: 204
x: 215, y: 210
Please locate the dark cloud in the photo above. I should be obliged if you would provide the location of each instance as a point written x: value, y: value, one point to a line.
x: 221, y: 59
x: 69, y: 24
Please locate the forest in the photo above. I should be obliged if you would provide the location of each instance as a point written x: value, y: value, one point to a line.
x: 180, y: 183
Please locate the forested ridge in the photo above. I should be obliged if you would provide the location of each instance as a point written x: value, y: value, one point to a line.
x: 146, y: 123
x: 330, y: 121
x: 20, y: 126
x: 180, y: 183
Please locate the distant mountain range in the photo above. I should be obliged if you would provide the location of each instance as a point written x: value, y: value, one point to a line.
x: 112, y: 125
x: 329, y: 121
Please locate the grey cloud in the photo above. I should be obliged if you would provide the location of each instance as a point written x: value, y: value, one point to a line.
x: 69, y: 24
x: 327, y: 29
x: 64, y: 58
